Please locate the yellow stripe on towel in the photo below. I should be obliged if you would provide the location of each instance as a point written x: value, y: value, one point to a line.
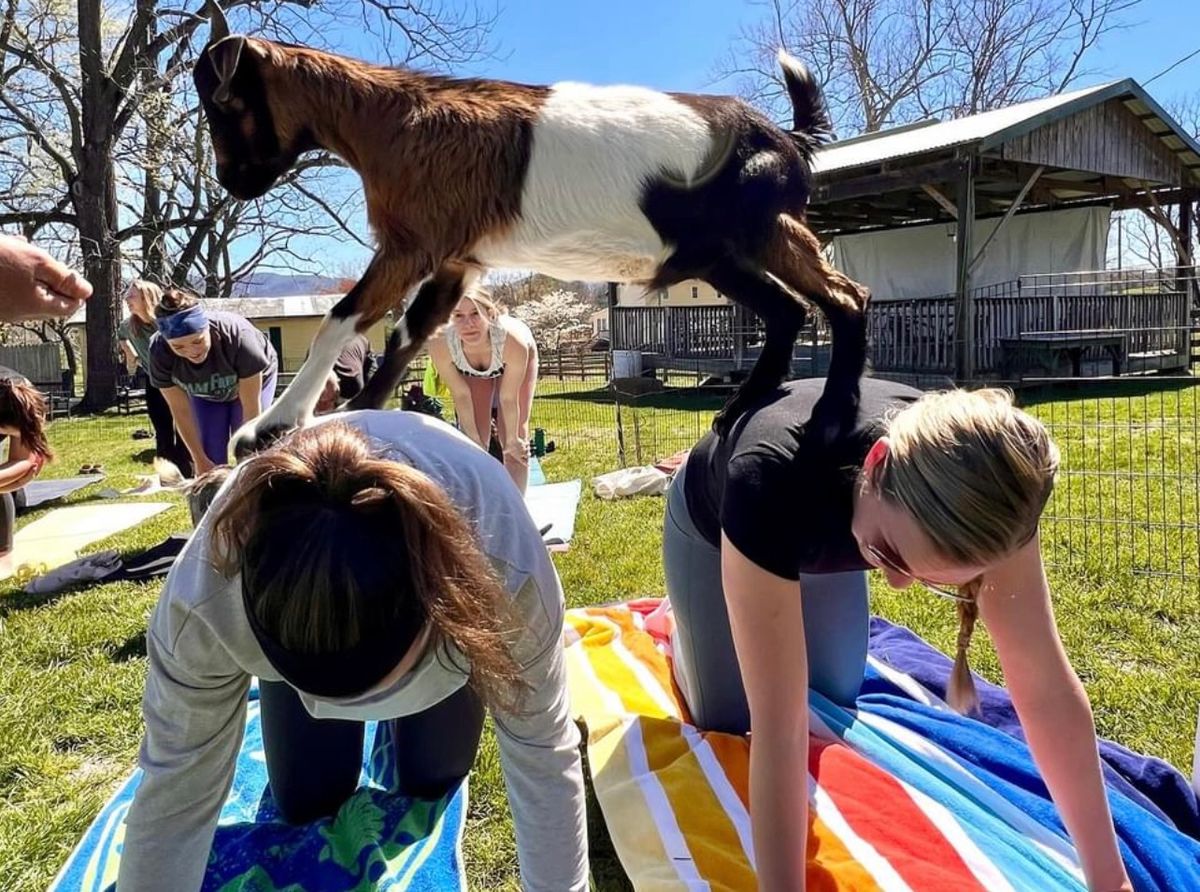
x: 675, y: 799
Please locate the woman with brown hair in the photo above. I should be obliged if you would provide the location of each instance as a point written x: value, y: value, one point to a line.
x: 135, y: 333
x: 374, y: 566
x: 216, y: 371
x: 23, y: 423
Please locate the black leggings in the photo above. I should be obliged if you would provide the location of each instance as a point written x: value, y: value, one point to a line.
x: 313, y: 764
x: 167, y: 442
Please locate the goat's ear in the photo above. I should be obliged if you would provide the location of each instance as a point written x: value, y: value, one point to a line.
x: 225, y: 56
x: 219, y: 27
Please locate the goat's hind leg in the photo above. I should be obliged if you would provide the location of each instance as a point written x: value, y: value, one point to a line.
x: 386, y: 280
x: 783, y: 315
x: 795, y: 258
x: 429, y: 309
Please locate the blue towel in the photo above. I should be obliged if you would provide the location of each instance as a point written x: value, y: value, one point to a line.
x: 377, y: 840
x: 1148, y: 798
x: 1151, y: 782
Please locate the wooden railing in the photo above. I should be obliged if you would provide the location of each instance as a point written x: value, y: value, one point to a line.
x: 918, y: 335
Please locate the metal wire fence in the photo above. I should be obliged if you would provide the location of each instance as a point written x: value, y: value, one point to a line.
x: 1127, y: 504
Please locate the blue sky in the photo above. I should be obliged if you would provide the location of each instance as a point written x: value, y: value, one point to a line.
x: 677, y: 45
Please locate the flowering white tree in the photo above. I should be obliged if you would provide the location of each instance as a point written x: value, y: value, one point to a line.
x: 558, y: 320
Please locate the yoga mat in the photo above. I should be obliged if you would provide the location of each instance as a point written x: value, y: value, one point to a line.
x: 53, y: 540
x: 41, y: 491
x: 555, y: 504
x: 377, y: 840
x: 537, y: 477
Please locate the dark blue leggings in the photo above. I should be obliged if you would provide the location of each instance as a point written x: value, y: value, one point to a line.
x: 836, y: 626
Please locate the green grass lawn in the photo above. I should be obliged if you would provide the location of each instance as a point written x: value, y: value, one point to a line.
x: 72, y: 665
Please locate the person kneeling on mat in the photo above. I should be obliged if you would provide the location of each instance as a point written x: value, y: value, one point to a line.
x: 374, y: 566
x: 767, y: 536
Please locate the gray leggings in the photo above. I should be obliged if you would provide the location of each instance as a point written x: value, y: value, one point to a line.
x: 836, y: 625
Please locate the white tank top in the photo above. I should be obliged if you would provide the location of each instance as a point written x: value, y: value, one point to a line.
x: 497, y: 334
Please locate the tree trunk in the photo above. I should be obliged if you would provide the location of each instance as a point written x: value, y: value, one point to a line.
x: 94, y: 195
x: 154, y: 261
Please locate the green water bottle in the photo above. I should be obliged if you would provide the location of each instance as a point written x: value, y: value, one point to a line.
x: 539, y: 442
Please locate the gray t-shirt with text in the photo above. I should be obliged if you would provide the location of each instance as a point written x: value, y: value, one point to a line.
x: 239, y: 350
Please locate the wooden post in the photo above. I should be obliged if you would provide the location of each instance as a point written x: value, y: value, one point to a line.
x: 738, y: 321
x: 964, y: 307
x: 1183, y: 250
x: 1185, y: 273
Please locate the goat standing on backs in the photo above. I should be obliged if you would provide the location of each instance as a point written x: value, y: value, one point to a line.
x: 617, y: 183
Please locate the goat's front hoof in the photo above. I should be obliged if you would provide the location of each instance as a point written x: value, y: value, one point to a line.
x: 251, y: 438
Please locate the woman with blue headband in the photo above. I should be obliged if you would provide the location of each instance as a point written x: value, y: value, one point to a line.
x: 215, y: 370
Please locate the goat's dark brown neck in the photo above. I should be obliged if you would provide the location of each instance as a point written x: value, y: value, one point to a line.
x: 354, y: 110
x: 409, y: 136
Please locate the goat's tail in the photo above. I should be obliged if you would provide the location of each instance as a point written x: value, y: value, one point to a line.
x: 168, y: 473
x: 811, y: 125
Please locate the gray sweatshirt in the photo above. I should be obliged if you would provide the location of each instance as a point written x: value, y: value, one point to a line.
x: 202, y: 654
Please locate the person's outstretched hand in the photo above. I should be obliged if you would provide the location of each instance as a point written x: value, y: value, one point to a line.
x: 33, y: 285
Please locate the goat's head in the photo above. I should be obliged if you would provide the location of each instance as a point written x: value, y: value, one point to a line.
x: 254, y: 145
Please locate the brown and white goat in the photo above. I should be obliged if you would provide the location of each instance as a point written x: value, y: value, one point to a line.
x: 575, y: 181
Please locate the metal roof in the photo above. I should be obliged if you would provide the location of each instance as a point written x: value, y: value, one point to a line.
x: 295, y: 306
x: 988, y: 130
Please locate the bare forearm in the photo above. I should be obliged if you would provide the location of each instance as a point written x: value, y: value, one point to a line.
x: 464, y: 407
x: 14, y: 473
x: 511, y: 413
x: 185, y: 423
x: 250, y: 396
x: 251, y: 408
x: 1062, y: 736
x: 779, y: 807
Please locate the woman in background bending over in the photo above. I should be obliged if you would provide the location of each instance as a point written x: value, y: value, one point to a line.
x: 489, y: 361
x: 216, y: 371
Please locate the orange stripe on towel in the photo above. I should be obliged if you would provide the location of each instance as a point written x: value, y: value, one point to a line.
x: 905, y: 836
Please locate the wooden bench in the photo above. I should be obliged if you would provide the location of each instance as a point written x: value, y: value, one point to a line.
x: 131, y: 392
x: 1047, y: 351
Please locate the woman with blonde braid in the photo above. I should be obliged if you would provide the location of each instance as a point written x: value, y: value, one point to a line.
x: 945, y: 490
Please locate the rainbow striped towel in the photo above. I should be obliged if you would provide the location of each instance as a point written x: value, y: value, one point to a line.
x: 896, y: 803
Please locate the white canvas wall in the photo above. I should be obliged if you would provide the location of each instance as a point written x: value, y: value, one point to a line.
x: 920, y: 261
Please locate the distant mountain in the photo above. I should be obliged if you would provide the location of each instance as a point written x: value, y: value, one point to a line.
x: 266, y: 284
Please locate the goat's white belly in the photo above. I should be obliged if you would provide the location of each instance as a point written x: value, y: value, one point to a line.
x: 578, y: 255
x: 594, y: 149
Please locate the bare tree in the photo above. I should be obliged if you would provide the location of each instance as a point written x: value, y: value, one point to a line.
x: 55, y: 331
x: 82, y: 100
x: 886, y: 62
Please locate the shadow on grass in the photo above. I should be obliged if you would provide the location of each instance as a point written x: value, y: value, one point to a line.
x: 145, y: 457
x: 134, y: 648
x: 16, y: 600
